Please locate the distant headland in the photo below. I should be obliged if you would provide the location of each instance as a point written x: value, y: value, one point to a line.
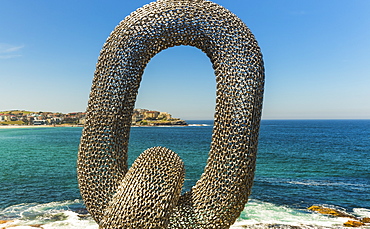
x: 140, y: 117
x: 144, y: 117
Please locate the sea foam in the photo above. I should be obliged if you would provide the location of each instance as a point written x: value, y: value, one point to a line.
x: 256, y: 214
x: 259, y: 214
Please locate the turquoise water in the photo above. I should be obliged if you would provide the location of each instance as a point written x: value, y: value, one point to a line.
x: 300, y: 163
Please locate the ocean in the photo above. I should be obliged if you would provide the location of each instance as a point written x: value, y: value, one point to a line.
x: 300, y: 163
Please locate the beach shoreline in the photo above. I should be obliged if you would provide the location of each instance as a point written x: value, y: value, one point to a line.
x: 51, y: 126
x: 35, y: 126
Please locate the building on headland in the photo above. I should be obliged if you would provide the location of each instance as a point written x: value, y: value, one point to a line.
x: 144, y: 117
x: 8, y: 117
x: 3, y: 118
x: 138, y: 115
x: 40, y: 122
x: 165, y: 115
x: 41, y: 118
x: 151, y: 115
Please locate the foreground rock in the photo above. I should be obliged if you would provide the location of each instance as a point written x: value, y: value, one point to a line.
x: 365, y: 220
x: 5, y: 224
x: 353, y: 223
x: 330, y: 211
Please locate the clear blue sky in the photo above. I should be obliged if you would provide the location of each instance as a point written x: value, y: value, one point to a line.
x: 316, y: 53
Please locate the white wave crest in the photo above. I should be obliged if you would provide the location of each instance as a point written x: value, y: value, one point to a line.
x: 258, y: 214
x: 47, y: 216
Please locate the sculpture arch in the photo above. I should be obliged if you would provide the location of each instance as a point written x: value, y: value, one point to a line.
x: 223, y: 189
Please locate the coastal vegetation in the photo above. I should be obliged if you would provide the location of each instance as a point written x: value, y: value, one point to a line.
x: 13, y: 123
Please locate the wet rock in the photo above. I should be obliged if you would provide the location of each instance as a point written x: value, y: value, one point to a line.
x: 330, y: 211
x: 55, y: 217
x: 15, y: 226
x: 81, y: 211
x: 5, y: 223
x: 352, y: 223
x: 36, y: 225
x: 365, y: 220
x: 84, y: 216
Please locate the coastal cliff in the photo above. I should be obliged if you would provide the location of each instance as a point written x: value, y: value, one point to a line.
x: 144, y: 117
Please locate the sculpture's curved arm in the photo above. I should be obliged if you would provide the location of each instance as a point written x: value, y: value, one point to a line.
x: 149, y: 192
x: 222, y: 191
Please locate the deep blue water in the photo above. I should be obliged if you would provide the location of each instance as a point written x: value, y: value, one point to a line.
x: 314, y: 162
x: 300, y: 163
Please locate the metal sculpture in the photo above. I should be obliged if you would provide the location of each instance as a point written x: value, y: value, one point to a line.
x: 148, y: 194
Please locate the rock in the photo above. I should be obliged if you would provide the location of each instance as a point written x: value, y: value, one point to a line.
x: 330, y: 211
x: 5, y: 221
x: 352, y: 223
x: 31, y: 226
x: 83, y: 216
x: 15, y: 226
x: 365, y: 220
x: 36, y: 225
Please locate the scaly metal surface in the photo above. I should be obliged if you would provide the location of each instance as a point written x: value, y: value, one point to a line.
x: 148, y: 195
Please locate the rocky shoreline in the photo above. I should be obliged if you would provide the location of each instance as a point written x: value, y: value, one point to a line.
x: 161, y: 123
x: 144, y: 117
x: 352, y: 220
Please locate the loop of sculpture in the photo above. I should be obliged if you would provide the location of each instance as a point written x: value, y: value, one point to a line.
x: 148, y: 195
